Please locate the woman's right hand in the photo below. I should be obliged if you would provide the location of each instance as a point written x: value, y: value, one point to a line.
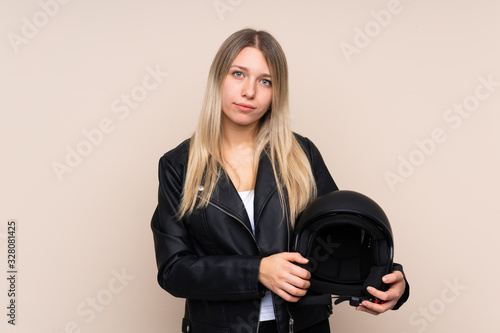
x: 279, y: 274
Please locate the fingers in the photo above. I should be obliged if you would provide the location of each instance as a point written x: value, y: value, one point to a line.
x: 393, y: 277
x: 376, y: 309
x: 396, y: 284
x: 298, y: 271
x: 300, y: 285
x: 280, y: 275
x: 294, y: 257
x: 290, y: 292
x: 381, y: 295
x: 390, y: 297
x: 292, y: 279
x: 367, y: 309
x: 286, y: 261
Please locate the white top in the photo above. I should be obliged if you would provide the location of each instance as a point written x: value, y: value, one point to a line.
x: 248, y: 197
x: 266, y: 305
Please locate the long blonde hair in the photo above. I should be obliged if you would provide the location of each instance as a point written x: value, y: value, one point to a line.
x: 291, y: 167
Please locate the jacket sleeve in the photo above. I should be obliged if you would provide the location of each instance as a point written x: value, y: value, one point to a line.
x: 181, y: 271
x: 324, y: 180
x: 406, y: 293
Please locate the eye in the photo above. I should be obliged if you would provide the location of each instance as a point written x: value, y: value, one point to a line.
x: 266, y: 82
x: 237, y: 74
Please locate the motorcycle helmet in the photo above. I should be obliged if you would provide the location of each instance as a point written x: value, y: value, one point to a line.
x: 348, y: 240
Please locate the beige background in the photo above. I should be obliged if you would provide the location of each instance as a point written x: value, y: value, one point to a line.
x: 67, y: 69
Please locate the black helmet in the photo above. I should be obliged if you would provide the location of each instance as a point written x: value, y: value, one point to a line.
x: 348, y: 240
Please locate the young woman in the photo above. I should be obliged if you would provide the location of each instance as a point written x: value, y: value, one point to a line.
x: 229, y: 196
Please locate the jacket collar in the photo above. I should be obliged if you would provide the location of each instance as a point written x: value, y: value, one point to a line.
x: 226, y: 196
x: 265, y: 185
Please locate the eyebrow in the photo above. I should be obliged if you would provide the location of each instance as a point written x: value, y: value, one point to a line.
x: 246, y: 69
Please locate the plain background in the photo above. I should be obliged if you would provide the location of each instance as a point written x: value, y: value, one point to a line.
x: 371, y: 110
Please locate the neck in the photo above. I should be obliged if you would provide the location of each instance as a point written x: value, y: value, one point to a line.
x: 238, y: 136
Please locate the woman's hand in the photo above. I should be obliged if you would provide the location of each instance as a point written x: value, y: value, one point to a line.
x: 279, y: 274
x: 390, y: 297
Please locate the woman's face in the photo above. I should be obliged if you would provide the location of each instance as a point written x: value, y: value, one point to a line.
x: 247, y: 91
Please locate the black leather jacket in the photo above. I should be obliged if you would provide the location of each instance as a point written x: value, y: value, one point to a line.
x: 212, y: 258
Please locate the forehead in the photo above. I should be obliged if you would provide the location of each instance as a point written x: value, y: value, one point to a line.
x: 253, y: 60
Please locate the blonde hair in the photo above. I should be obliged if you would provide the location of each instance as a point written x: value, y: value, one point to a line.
x: 291, y: 167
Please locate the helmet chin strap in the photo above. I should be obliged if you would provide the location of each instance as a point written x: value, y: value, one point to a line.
x: 353, y: 300
x: 374, y: 279
x: 327, y: 300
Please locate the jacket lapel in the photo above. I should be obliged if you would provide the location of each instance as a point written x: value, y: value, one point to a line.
x: 265, y: 186
x: 271, y: 229
x: 226, y: 197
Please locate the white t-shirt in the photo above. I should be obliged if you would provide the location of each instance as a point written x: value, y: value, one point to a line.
x: 266, y: 306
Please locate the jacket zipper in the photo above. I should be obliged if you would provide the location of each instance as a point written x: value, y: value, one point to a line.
x: 290, y: 321
x: 253, y: 237
x: 240, y: 221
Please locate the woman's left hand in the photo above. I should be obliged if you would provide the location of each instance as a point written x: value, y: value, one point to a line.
x: 389, y: 297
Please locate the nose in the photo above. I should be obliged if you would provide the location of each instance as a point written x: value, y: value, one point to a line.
x: 248, y: 90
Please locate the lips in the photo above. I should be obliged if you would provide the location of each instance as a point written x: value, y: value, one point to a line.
x: 245, y: 107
